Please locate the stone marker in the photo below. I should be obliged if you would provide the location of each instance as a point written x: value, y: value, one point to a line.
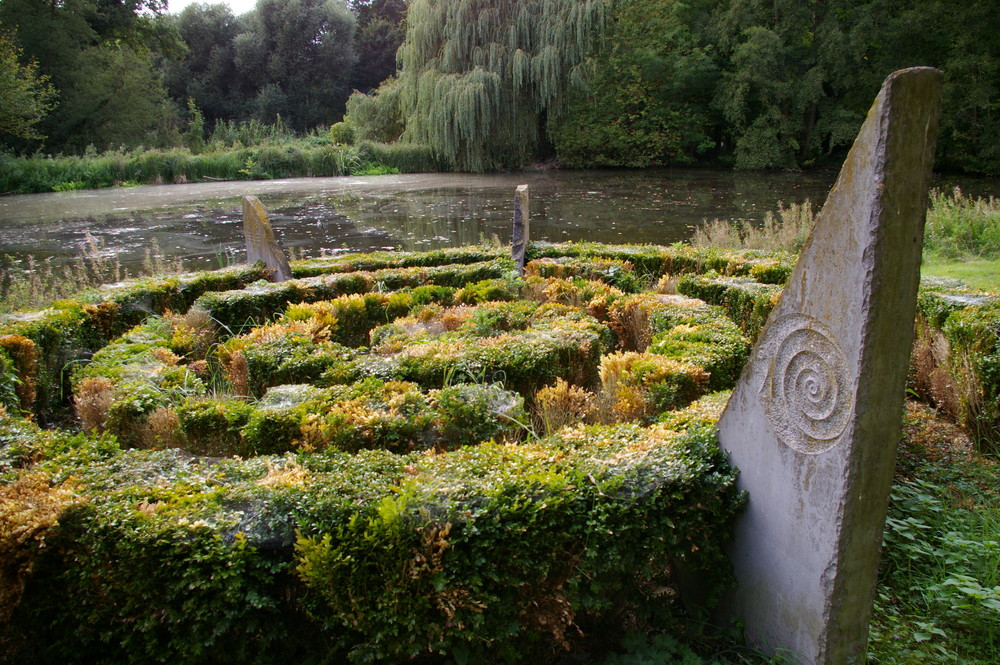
x: 261, y: 243
x: 519, y: 245
x: 814, y: 421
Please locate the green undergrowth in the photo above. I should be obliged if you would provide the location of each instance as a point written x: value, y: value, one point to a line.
x: 938, y: 596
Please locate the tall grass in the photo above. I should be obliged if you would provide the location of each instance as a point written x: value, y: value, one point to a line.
x: 786, y: 230
x: 234, y: 151
x: 31, y: 284
x: 960, y: 227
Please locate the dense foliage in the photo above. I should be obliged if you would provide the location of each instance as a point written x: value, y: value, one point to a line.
x: 128, y: 74
x: 493, y: 84
x: 363, y: 464
x: 759, y: 84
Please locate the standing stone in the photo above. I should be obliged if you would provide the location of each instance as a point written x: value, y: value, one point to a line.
x: 814, y: 421
x: 519, y: 245
x: 261, y: 243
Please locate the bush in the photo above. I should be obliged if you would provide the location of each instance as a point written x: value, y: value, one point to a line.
x: 357, y: 478
x: 746, y: 301
x: 701, y: 335
x: 388, y: 558
x: 956, y: 359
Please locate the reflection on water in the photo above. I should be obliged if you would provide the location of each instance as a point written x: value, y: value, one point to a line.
x: 202, y: 223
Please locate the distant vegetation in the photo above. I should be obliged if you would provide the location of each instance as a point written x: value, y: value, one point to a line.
x: 496, y: 84
x: 635, y: 83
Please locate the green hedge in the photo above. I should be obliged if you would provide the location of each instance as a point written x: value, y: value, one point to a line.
x: 71, y: 330
x: 747, y: 302
x: 613, y: 272
x: 240, y: 309
x: 358, y: 477
x: 489, y: 552
x: 956, y: 358
x: 657, y: 260
x: 702, y: 335
x: 395, y: 416
x: 382, y: 260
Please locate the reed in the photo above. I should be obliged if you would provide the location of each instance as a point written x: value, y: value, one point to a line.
x: 31, y: 283
x: 314, y: 155
x: 960, y: 227
x: 786, y: 230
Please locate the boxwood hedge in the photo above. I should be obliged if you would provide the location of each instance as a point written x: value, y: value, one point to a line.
x: 347, y: 466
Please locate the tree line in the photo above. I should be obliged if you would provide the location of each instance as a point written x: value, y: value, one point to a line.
x: 110, y: 73
x: 635, y: 83
x: 495, y: 84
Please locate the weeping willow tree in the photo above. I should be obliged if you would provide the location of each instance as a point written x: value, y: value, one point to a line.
x: 480, y: 79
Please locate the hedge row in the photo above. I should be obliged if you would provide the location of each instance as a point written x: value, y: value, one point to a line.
x: 956, y: 358
x: 494, y: 552
x: 41, y: 346
x: 412, y: 514
x: 685, y: 329
x: 955, y: 362
x: 33, y: 376
x: 747, y: 302
x: 654, y: 261
x: 259, y: 302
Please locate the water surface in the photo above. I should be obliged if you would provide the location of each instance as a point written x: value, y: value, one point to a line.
x: 202, y: 224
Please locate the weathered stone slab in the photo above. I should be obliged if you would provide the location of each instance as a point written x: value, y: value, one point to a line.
x: 261, y: 243
x: 519, y: 244
x: 814, y: 421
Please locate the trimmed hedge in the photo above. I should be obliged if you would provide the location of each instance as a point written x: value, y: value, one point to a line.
x: 71, y: 330
x: 383, y: 260
x: 684, y: 329
x: 613, y: 272
x: 358, y: 477
x: 956, y: 358
x: 746, y: 301
x: 371, y: 556
x: 654, y: 261
x: 394, y: 415
x: 261, y: 301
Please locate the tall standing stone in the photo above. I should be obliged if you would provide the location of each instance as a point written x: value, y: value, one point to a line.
x: 261, y: 243
x: 519, y: 244
x: 814, y: 421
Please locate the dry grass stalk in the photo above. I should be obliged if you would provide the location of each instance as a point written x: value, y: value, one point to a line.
x: 562, y: 404
x: 30, y: 507
x: 238, y: 373
x: 162, y: 430
x: 785, y: 231
x: 92, y: 402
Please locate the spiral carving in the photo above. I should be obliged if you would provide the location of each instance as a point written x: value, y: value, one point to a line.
x: 808, y: 391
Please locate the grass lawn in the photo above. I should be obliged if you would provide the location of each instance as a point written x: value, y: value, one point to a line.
x: 979, y: 274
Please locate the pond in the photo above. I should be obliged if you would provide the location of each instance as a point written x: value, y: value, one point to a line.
x: 202, y: 223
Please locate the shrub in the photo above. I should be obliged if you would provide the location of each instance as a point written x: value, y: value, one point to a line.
x: 640, y: 386
x: 613, y: 272
x: 956, y: 359
x: 289, y: 493
x: 701, y: 335
x: 746, y: 301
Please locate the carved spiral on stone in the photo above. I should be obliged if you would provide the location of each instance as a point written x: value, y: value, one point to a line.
x: 808, y: 392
